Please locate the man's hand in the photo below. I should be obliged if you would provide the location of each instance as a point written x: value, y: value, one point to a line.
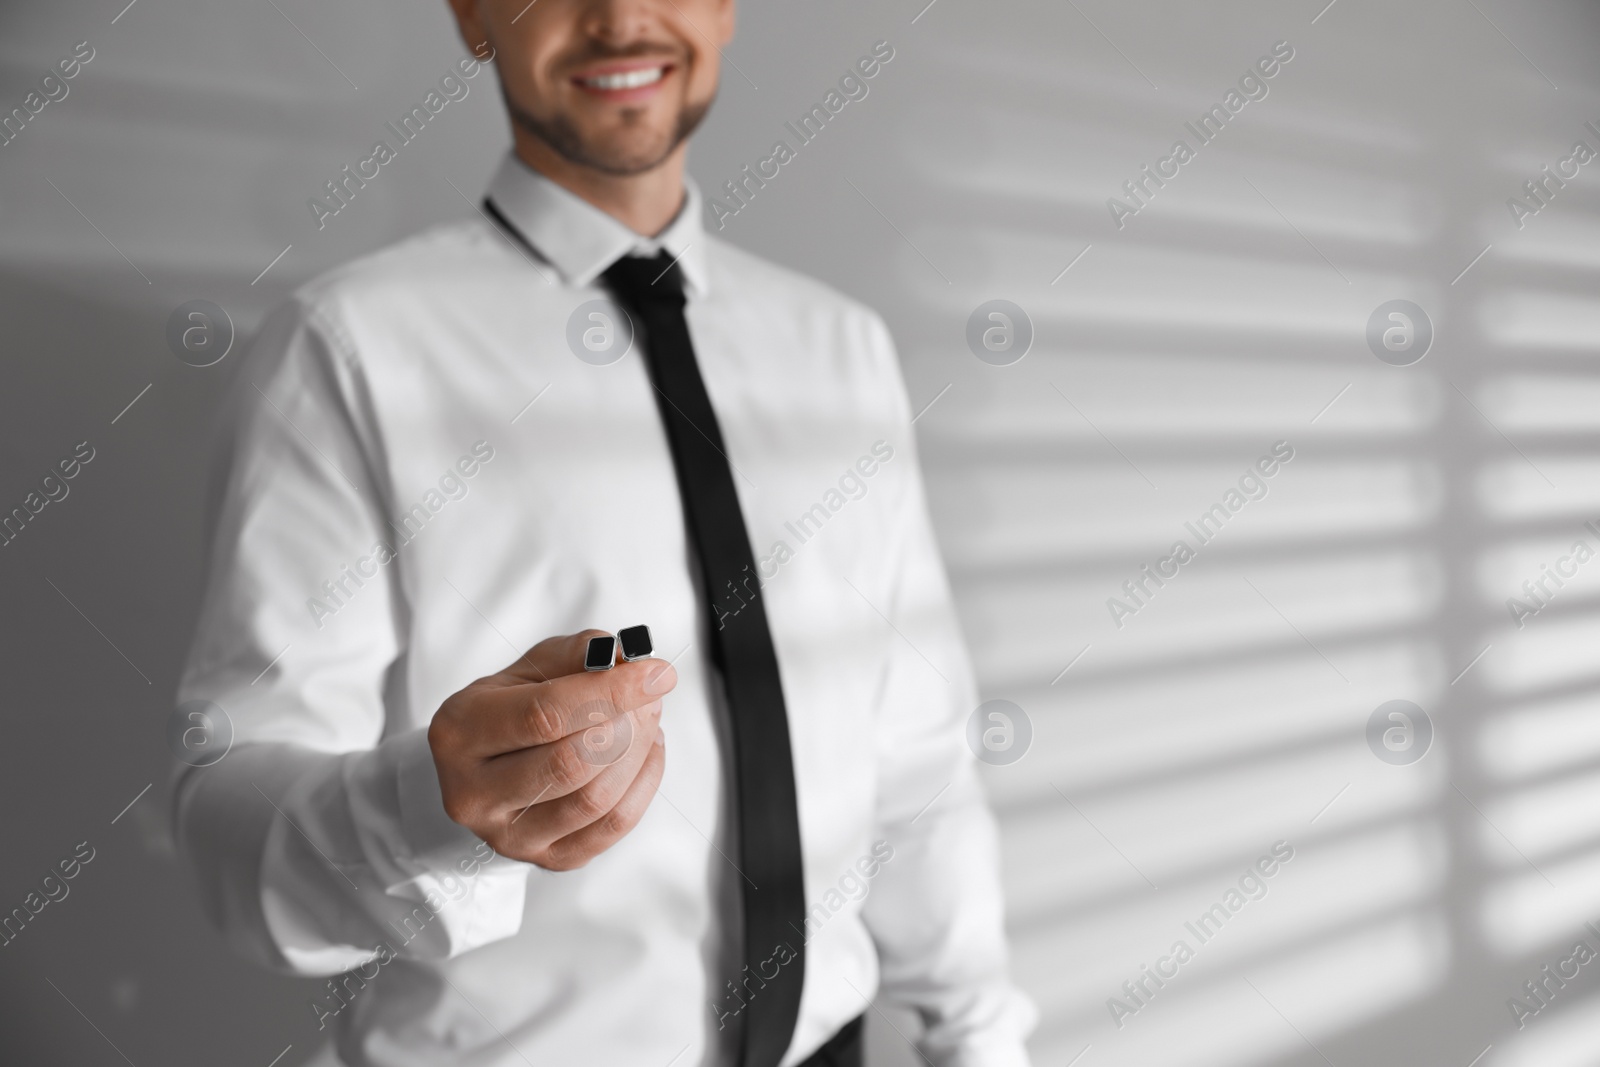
x: 549, y: 763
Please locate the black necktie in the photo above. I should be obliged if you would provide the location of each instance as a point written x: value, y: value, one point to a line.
x: 741, y: 647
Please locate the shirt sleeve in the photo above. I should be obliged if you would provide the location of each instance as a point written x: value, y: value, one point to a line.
x: 319, y: 836
x: 935, y: 912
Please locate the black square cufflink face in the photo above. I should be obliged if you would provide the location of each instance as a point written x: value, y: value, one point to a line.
x: 636, y: 643
x: 601, y: 655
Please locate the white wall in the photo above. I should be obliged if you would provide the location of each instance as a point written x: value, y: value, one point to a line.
x: 1227, y: 315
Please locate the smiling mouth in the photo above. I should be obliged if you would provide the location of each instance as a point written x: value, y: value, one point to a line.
x: 623, y: 80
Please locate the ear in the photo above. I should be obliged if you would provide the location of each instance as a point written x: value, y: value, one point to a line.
x: 725, y: 21
x: 469, y: 24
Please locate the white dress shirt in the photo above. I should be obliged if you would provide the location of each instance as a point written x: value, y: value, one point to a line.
x: 423, y: 481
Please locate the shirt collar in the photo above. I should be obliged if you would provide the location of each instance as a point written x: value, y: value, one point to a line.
x: 580, y: 240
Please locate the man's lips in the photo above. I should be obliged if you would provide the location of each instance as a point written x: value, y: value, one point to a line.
x: 636, y: 80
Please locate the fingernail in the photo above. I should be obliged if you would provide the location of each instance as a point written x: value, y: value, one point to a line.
x: 660, y: 680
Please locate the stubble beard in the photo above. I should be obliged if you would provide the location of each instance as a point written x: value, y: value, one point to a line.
x: 563, y: 138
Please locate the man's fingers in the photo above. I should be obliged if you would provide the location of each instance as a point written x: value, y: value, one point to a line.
x: 531, y: 830
x: 554, y: 657
x: 544, y: 773
x: 550, y: 745
x: 499, y: 719
x: 579, y: 847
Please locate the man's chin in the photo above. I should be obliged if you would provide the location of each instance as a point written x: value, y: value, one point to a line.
x: 621, y: 157
x: 619, y: 153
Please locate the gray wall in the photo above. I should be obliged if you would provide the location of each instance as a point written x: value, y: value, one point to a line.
x: 1228, y: 314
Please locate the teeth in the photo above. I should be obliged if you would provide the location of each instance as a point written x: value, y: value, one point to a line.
x: 631, y: 79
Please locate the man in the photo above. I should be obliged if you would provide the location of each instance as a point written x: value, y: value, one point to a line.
x: 576, y: 413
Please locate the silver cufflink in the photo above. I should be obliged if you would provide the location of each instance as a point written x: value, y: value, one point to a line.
x: 636, y: 643
x: 601, y: 655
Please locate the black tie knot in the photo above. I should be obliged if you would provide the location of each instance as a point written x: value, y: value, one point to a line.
x: 639, y: 281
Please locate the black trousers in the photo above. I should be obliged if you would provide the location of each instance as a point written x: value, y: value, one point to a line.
x: 843, y: 1049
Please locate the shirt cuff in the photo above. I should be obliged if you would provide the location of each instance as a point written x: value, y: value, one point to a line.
x: 435, y: 840
x: 477, y: 894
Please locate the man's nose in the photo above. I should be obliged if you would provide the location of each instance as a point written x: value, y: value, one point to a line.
x: 622, y: 22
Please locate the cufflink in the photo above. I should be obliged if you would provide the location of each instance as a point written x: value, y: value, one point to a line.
x: 601, y: 655
x: 636, y: 643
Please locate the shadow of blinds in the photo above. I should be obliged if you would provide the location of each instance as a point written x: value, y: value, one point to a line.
x: 1536, y: 754
x: 1225, y: 711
